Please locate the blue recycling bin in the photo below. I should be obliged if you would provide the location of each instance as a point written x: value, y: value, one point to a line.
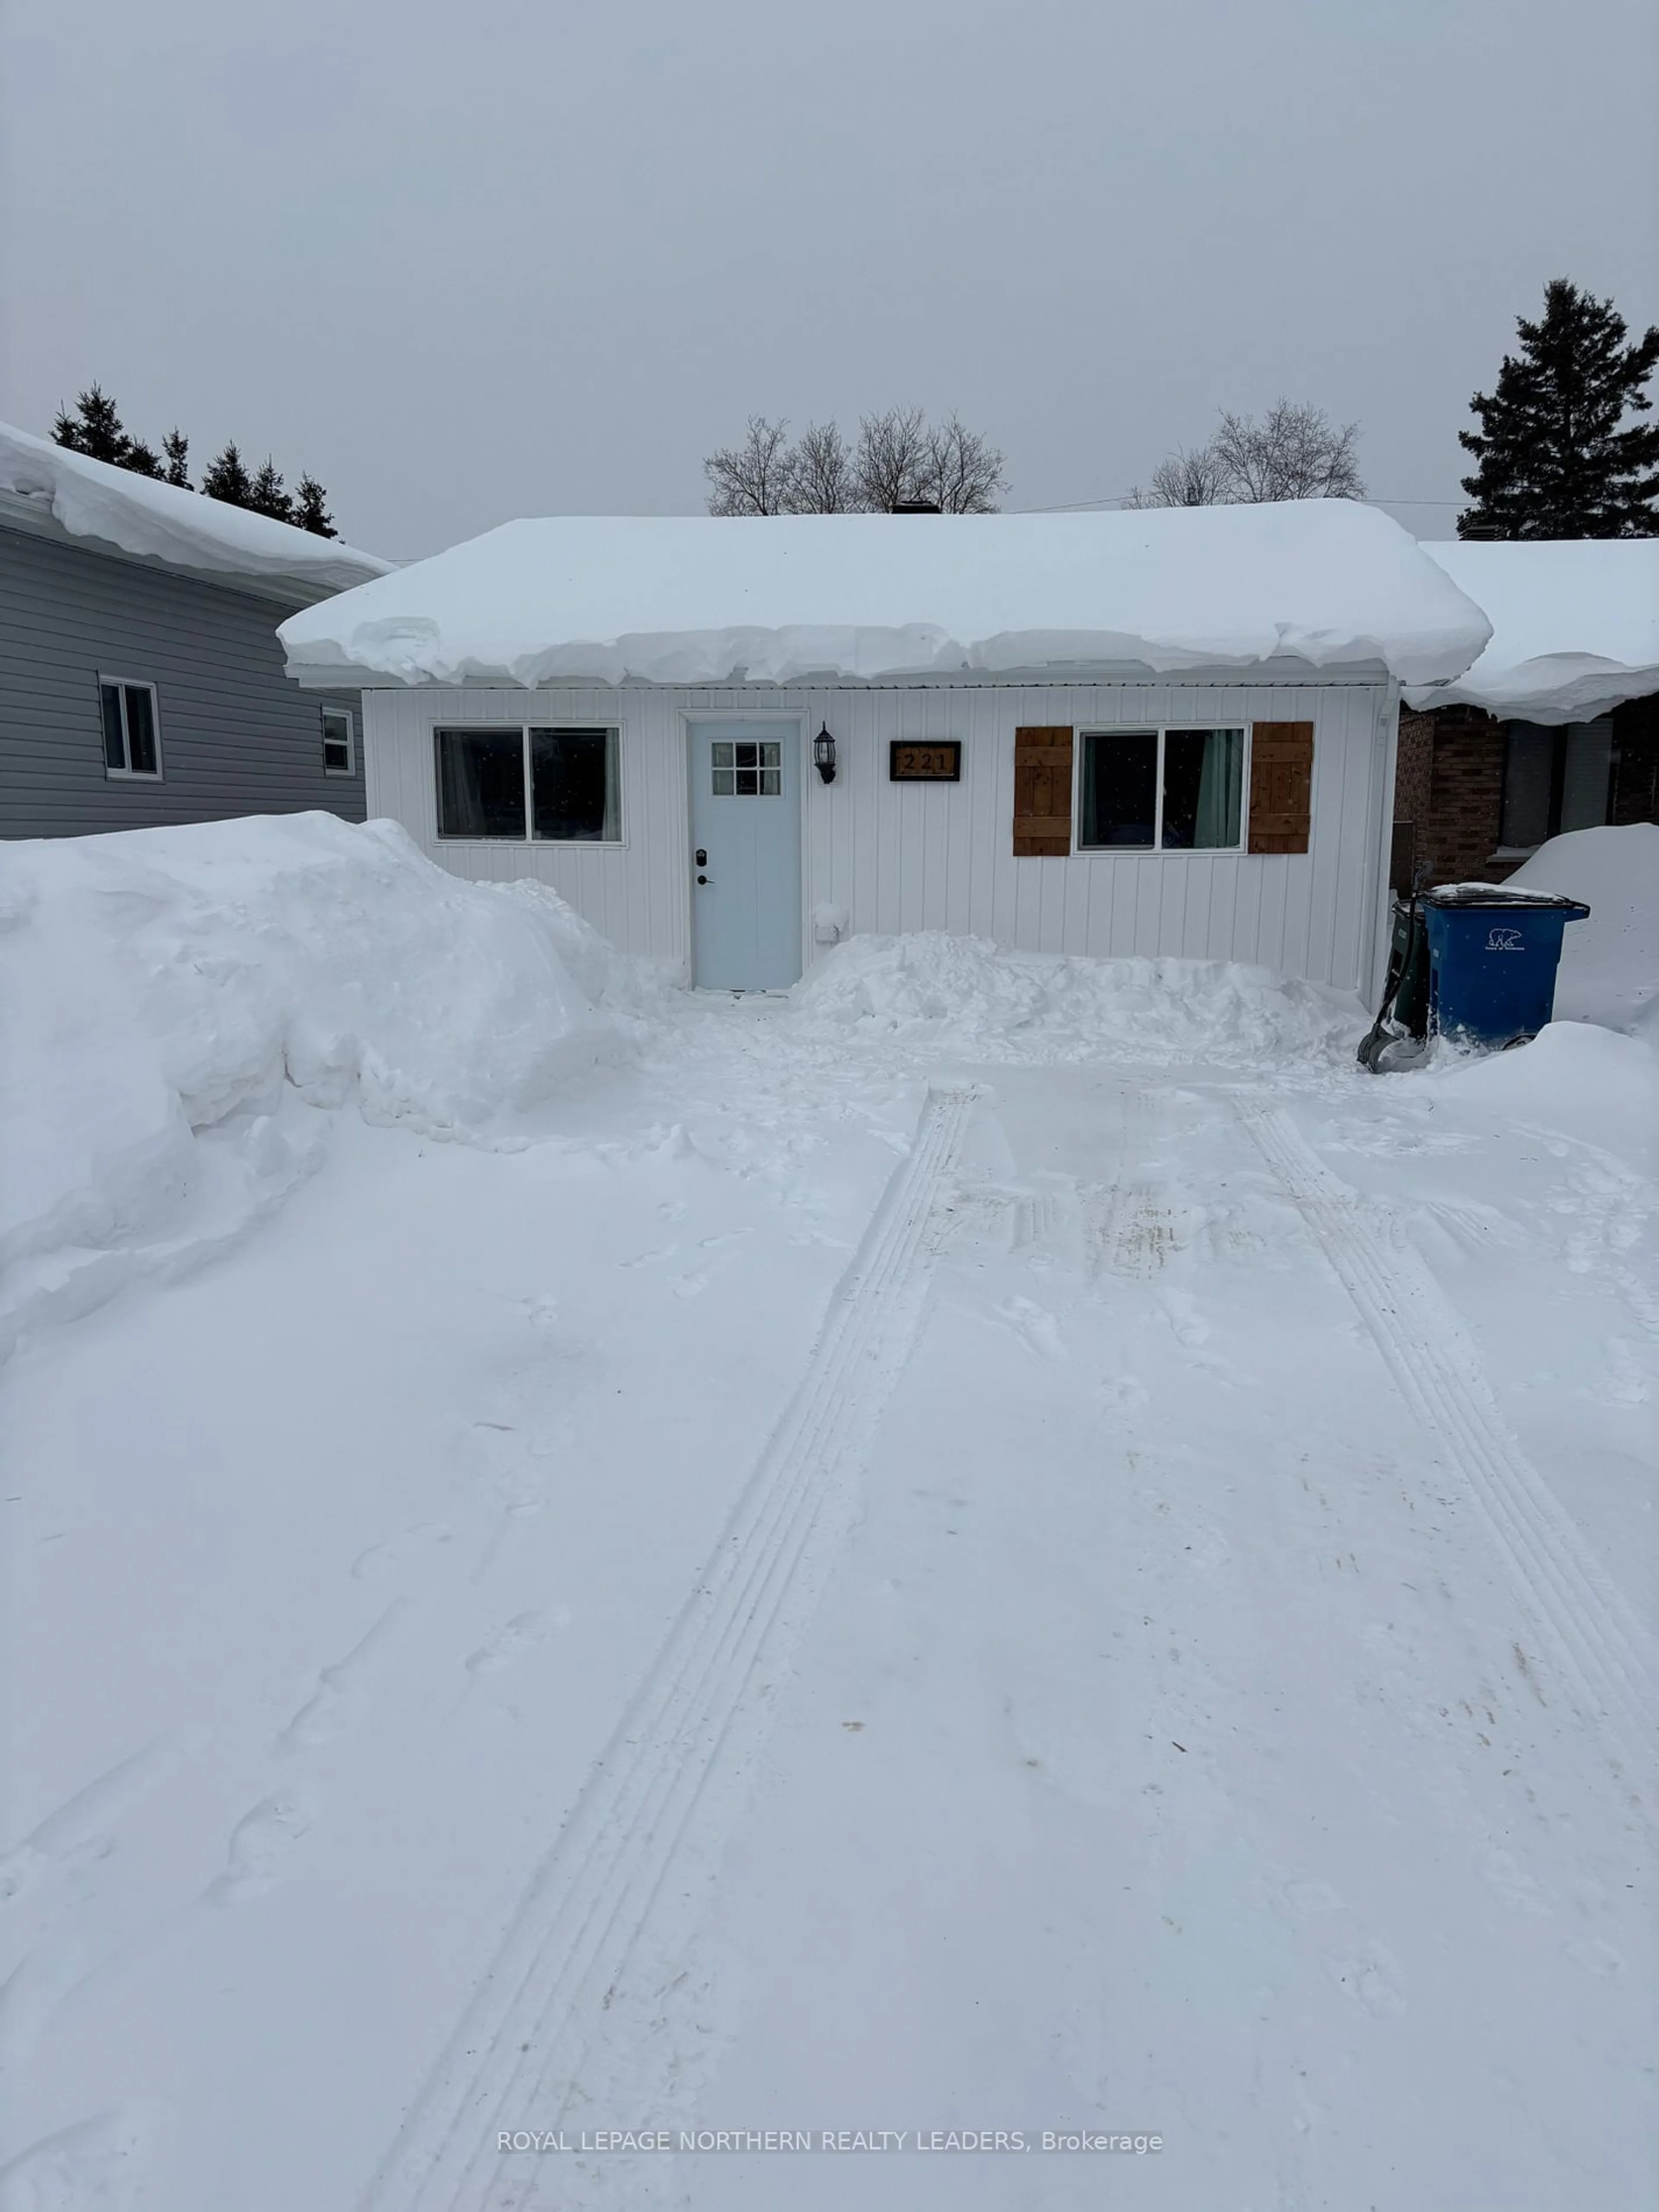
x: 1492, y: 958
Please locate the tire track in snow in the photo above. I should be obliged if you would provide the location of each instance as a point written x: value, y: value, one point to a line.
x: 1439, y: 1374
x: 696, y: 1719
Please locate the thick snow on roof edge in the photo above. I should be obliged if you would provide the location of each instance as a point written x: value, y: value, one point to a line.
x: 1575, y: 626
x: 1327, y: 584
x: 178, y: 529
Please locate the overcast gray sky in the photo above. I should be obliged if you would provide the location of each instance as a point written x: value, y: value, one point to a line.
x: 489, y: 257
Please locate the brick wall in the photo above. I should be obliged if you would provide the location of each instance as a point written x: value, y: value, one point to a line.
x: 1414, y: 766
x: 1465, y: 797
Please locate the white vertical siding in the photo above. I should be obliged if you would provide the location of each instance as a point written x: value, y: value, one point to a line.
x: 939, y: 856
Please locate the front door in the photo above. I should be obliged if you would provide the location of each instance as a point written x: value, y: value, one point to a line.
x: 745, y: 854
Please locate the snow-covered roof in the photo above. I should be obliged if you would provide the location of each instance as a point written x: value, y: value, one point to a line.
x: 1323, y: 584
x: 1575, y: 626
x: 47, y: 485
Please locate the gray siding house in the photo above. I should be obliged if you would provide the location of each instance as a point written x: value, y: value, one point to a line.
x: 141, y: 679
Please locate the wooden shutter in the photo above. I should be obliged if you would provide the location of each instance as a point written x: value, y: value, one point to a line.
x: 1281, y: 786
x: 1042, y: 794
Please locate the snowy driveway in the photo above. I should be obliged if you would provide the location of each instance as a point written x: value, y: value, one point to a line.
x: 854, y: 1589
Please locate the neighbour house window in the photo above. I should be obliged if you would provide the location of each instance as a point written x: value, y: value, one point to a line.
x: 133, y: 742
x: 1555, y: 779
x: 1162, y: 791
x: 336, y: 741
x: 557, y: 785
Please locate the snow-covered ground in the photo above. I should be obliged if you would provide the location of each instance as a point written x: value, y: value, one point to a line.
x: 1011, y: 1545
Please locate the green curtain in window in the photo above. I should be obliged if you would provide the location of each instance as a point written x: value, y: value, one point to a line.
x: 1220, y: 785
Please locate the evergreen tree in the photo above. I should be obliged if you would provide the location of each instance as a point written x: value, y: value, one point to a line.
x: 1551, y: 460
x: 267, y: 497
x: 176, y: 447
x: 311, y: 509
x: 96, y: 430
x: 225, y: 479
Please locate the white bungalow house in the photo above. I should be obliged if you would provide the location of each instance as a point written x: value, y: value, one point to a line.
x: 731, y: 743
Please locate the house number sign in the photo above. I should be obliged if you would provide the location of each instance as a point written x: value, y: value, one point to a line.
x: 936, y: 762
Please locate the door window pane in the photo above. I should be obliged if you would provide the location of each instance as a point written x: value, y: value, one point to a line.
x: 1120, y: 788
x: 480, y: 783
x: 740, y: 769
x: 1586, y: 775
x: 1203, y: 788
x: 115, y: 744
x: 1528, y: 776
x: 141, y: 729
x: 573, y: 783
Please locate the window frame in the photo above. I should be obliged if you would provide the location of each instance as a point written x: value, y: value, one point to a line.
x: 551, y: 844
x: 123, y: 685
x: 1157, y: 849
x: 344, y: 714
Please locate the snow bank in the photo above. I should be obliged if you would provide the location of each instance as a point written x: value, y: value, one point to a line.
x: 178, y: 1000
x: 178, y: 529
x: 1575, y: 626
x: 1609, y: 968
x: 1574, y: 1077
x: 1323, y: 584
x: 963, y: 995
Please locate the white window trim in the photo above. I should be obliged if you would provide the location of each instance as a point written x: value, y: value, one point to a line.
x: 1158, y: 850
x: 345, y: 714
x: 615, y: 844
x: 156, y: 774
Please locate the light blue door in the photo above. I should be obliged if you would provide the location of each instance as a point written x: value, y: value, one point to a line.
x: 745, y: 841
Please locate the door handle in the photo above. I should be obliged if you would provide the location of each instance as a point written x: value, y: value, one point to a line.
x: 702, y: 879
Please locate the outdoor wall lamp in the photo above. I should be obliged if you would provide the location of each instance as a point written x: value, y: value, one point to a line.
x: 824, y: 754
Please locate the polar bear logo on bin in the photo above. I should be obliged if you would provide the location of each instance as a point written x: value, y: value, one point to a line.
x: 1504, y: 940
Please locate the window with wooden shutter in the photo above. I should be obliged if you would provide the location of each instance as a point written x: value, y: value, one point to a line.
x: 1042, y: 794
x: 1281, y: 786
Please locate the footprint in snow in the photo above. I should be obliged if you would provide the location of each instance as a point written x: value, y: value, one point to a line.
x: 1035, y: 1326
x: 381, y: 1560
x: 97, y: 2161
x: 260, y: 1843
x: 333, y: 1703
x: 1510, y: 1883
x: 522, y: 1634
x: 1308, y: 1894
x: 1595, y: 1957
x: 87, y: 1826
x: 1373, y: 1977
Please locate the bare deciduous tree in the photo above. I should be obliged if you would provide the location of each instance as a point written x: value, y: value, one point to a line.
x: 891, y: 459
x: 756, y: 478
x: 965, y: 470
x: 822, y: 479
x: 1194, y: 478
x: 1294, y: 452
x: 897, y: 461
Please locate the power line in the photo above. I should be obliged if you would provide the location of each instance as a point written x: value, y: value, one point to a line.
x: 1117, y: 498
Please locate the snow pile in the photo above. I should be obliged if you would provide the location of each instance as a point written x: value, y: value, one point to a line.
x: 1323, y: 584
x: 176, y: 528
x: 1574, y: 1078
x: 1575, y: 626
x: 965, y: 995
x: 1609, y: 969
x: 178, y: 1000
